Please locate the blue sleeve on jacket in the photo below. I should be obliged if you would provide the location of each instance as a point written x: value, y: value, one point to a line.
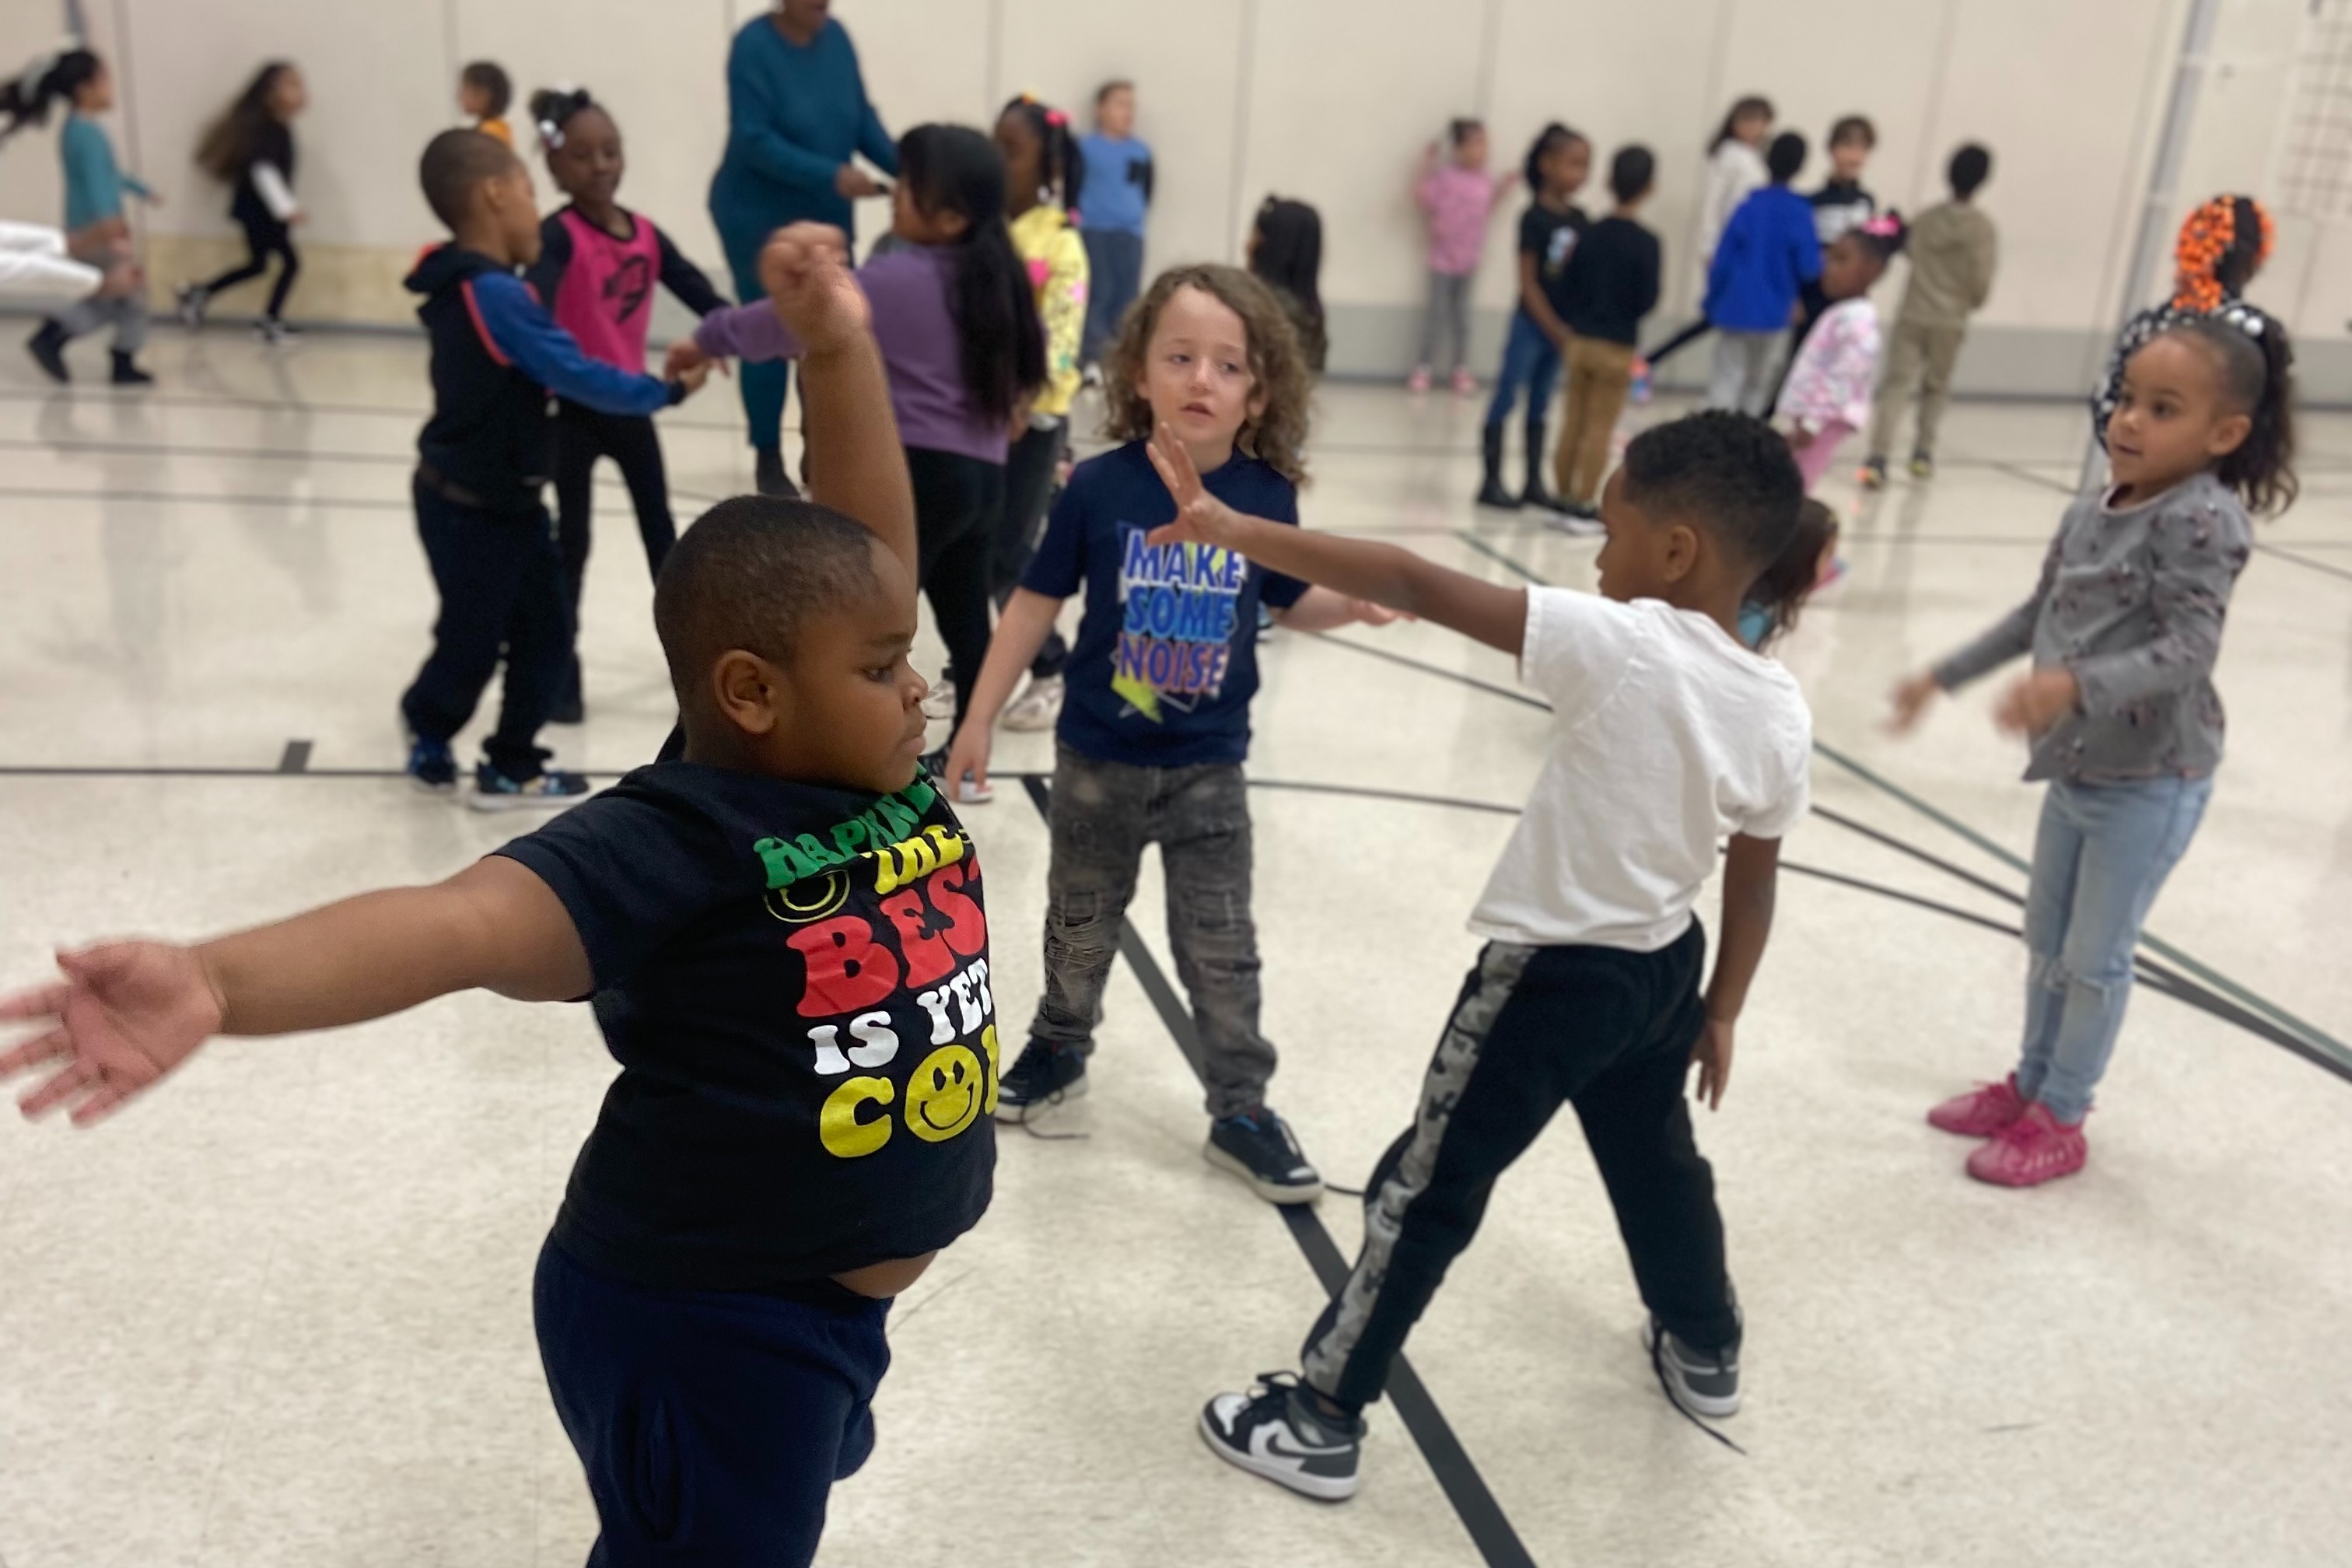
x: 1809, y: 249
x: 523, y: 331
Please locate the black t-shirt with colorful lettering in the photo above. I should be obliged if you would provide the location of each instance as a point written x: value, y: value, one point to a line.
x: 795, y: 980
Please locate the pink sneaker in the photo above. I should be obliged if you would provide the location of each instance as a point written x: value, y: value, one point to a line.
x: 1464, y: 384
x: 1981, y: 1112
x: 2035, y: 1148
x: 1418, y: 382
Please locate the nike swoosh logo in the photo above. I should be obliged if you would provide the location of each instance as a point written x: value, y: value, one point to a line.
x: 1273, y: 1449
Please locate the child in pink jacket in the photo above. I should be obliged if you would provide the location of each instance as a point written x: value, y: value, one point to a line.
x: 1459, y: 198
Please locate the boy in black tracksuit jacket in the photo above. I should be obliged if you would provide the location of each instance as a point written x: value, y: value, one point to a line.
x: 484, y: 461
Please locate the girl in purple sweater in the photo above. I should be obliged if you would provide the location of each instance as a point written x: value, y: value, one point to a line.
x: 959, y: 336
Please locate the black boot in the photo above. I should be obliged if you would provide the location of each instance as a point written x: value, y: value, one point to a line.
x: 1491, y: 491
x: 127, y: 372
x: 768, y: 474
x: 1536, y: 496
x: 48, y: 349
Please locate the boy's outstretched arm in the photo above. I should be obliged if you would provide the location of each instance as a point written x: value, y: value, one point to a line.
x: 857, y: 464
x: 1752, y: 873
x: 1360, y: 569
x: 128, y: 1013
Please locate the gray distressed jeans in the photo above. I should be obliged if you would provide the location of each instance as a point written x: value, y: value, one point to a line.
x: 1103, y: 815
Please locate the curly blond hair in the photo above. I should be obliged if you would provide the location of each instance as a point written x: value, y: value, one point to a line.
x: 1278, y: 374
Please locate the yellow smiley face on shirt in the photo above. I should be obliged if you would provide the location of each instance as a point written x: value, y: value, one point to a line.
x: 944, y: 1094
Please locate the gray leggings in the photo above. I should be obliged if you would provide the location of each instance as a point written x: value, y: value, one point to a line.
x: 127, y: 315
x: 1449, y: 315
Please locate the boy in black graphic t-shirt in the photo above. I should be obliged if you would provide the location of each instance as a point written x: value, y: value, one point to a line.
x: 783, y: 939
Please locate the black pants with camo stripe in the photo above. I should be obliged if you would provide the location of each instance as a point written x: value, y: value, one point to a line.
x: 1607, y: 1031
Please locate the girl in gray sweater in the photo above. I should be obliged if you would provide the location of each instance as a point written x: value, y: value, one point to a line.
x: 2124, y: 628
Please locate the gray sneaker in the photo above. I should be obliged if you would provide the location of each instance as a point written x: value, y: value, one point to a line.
x: 1702, y: 1382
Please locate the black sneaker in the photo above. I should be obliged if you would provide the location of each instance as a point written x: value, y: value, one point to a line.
x: 1492, y: 493
x: 1258, y: 1148
x: 47, y: 347
x: 551, y: 790
x: 1277, y: 1431
x: 1703, y: 1383
x: 768, y: 476
x: 1045, y: 1074
x: 127, y: 372
x: 431, y: 767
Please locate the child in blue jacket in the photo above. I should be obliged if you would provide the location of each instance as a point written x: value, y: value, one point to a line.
x: 1765, y: 257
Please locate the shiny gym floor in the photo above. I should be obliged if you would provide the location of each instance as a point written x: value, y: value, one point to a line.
x: 279, y: 1314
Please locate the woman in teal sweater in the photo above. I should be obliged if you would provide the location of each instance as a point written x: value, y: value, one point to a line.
x: 797, y: 117
x: 97, y: 232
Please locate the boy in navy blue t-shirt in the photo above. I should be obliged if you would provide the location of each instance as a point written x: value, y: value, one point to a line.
x: 1156, y: 724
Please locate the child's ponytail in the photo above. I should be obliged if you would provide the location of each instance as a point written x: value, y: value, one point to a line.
x: 552, y: 108
x: 955, y: 169
x: 1781, y: 592
x: 27, y: 100
x: 1059, y: 164
x: 1549, y: 139
x: 2257, y: 365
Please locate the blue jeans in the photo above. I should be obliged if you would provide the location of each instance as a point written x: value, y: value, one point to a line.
x: 1114, y: 279
x: 1531, y: 360
x: 2102, y: 853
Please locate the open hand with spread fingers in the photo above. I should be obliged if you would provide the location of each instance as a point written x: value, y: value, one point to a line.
x: 125, y: 1014
x: 1201, y: 517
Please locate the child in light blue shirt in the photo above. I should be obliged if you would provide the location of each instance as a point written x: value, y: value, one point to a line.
x: 1117, y: 186
x: 97, y: 232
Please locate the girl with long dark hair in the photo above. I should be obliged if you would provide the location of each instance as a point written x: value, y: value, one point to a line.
x: 251, y: 148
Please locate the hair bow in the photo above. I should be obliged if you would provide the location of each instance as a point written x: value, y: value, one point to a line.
x: 1056, y: 119
x: 1885, y: 225
x: 552, y: 134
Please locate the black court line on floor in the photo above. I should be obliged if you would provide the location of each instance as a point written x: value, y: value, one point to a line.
x: 1457, y: 1475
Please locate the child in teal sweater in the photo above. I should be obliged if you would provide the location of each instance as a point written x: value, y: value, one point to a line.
x: 95, y: 230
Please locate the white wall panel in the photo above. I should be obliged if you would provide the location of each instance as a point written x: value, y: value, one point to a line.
x: 1341, y: 103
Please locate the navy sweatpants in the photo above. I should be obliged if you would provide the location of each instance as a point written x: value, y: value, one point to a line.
x: 711, y: 1424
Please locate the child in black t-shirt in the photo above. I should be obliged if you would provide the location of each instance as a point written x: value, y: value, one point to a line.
x: 1556, y: 165
x: 1155, y: 724
x: 783, y: 940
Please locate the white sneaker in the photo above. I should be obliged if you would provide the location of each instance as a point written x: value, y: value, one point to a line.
x: 193, y: 298
x: 940, y: 701
x: 1037, y: 708
x: 276, y: 333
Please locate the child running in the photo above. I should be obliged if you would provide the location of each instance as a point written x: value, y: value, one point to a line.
x: 1044, y: 176
x: 251, y: 148
x: 1458, y: 197
x: 1766, y: 255
x: 2124, y: 628
x: 97, y: 231
x: 1826, y: 397
x: 597, y: 265
x: 783, y: 939
x: 484, y: 457
x: 1157, y: 723
x: 1558, y: 161
x: 1612, y: 282
x: 957, y: 319
x: 484, y: 95
x: 1667, y: 737
x: 1953, y: 250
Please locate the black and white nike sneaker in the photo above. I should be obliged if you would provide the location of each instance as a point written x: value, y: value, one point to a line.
x: 1703, y: 1383
x: 1043, y: 1074
x: 1258, y: 1146
x: 1275, y: 1431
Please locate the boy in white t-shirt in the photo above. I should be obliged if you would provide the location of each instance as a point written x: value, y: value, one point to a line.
x: 1668, y: 736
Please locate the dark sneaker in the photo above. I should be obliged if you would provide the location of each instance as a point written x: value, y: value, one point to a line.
x: 1492, y: 493
x: 1873, y: 476
x: 768, y: 476
x: 431, y: 767
x: 1702, y: 1382
x: 127, y: 372
x: 48, y: 348
x: 968, y: 790
x: 551, y: 790
x: 1258, y: 1148
x: 1044, y: 1074
x: 1277, y: 1431
x: 1923, y: 466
